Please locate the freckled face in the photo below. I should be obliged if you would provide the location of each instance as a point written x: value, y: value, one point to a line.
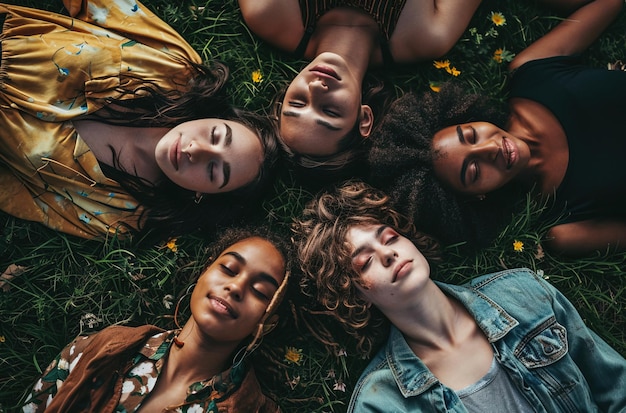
x: 321, y: 105
x: 232, y: 294
x: 477, y: 158
x: 389, y: 264
x: 210, y: 155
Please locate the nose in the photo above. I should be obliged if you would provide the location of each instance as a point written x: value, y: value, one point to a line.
x: 487, y: 150
x: 199, y: 152
x: 318, y: 86
x: 235, y: 288
x: 388, y: 256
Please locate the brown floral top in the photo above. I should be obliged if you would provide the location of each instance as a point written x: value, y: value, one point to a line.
x: 139, y: 379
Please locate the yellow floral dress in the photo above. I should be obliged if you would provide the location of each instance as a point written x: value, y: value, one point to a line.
x: 56, y: 68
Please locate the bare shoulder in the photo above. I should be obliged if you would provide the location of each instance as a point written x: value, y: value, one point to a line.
x: 278, y: 22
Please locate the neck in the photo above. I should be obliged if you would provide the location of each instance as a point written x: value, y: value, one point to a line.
x: 182, y: 362
x: 337, y: 34
x: 431, y: 320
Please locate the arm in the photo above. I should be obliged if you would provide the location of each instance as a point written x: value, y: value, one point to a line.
x: 278, y: 22
x: 584, y: 237
x: 603, y: 368
x: 574, y: 34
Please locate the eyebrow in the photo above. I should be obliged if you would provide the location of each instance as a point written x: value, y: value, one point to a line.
x: 459, y: 132
x: 264, y: 276
x: 325, y: 124
x: 226, y: 165
x: 379, y: 231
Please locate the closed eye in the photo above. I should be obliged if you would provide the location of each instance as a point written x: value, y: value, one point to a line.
x: 296, y: 104
x: 213, y: 136
x: 227, y: 270
x: 331, y: 113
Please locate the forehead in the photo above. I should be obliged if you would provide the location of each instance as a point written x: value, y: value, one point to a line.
x: 362, y: 233
x: 304, y: 135
x: 259, y: 256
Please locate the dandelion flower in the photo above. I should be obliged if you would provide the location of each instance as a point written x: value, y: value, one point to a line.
x: 453, y: 71
x: 171, y: 244
x: 293, y: 355
x: 518, y: 246
x: 497, y: 18
x: 435, y: 87
x: 497, y: 55
x: 441, y: 64
x: 257, y: 76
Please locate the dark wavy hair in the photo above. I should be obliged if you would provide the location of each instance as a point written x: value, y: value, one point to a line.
x: 325, y: 256
x: 350, y: 160
x: 168, y: 209
x: 401, y: 163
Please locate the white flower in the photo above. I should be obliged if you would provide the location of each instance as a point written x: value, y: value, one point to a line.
x: 142, y: 369
x: 195, y: 408
x: 73, y: 363
x: 128, y: 387
x: 63, y: 364
x: 29, y: 408
x: 38, y: 385
x: 151, y: 382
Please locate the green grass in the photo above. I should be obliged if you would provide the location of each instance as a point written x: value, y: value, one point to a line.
x: 67, y: 278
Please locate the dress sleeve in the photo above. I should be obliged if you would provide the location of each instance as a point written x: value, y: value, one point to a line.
x: 132, y: 19
x: 603, y: 367
x: 54, y: 376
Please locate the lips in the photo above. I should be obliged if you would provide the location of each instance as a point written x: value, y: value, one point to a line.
x: 221, y: 306
x: 402, y: 269
x: 510, y: 154
x: 175, y: 153
x: 325, y: 71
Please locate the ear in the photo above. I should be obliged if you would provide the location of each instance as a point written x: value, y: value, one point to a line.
x: 366, y: 122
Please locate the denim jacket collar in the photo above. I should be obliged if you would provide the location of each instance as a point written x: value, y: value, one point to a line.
x: 411, y: 375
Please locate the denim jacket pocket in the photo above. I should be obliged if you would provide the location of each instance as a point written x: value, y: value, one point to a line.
x: 544, y: 345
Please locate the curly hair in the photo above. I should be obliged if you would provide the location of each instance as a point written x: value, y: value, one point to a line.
x: 349, y: 161
x: 168, y: 209
x: 325, y: 256
x: 401, y: 162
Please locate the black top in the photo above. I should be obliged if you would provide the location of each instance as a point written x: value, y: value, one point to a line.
x: 590, y: 105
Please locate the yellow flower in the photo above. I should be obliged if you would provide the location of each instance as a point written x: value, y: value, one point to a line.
x: 435, y: 87
x: 441, y: 64
x: 453, y: 71
x: 497, y: 18
x: 518, y: 246
x: 171, y: 244
x: 497, y: 55
x: 293, y: 355
x: 257, y: 76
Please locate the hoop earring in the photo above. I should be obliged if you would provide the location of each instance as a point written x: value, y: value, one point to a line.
x: 244, y: 352
x: 198, y: 198
x: 189, y: 290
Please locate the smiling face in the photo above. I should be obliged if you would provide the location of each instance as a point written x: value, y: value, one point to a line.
x: 389, y: 265
x: 232, y: 294
x: 477, y: 158
x: 210, y: 155
x: 320, y: 107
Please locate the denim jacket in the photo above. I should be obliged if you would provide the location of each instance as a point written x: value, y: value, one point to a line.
x: 556, y: 362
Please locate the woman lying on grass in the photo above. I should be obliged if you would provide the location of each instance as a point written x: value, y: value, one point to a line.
x: 505, y: 342
x: 325, y: 115
x: 200, y: 367
x: 563, y: 135
x: 110, y: 123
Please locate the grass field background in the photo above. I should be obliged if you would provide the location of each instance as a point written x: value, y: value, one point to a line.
x: 71, y: 284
